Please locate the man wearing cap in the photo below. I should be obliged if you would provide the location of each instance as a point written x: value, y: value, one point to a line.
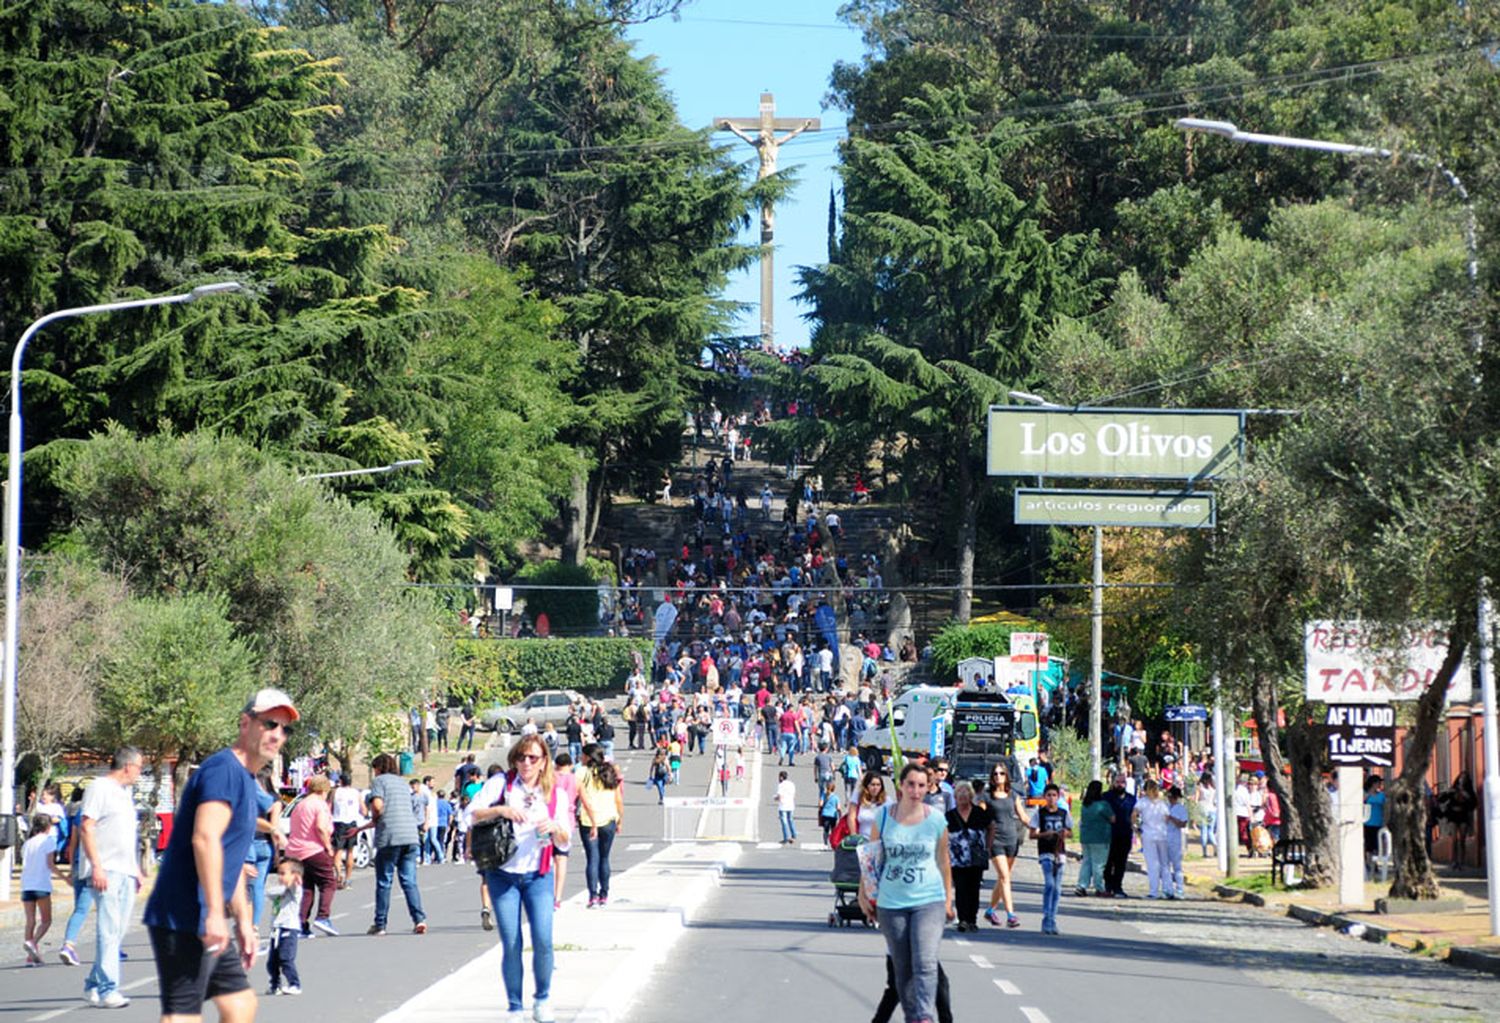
x: 198, y: 956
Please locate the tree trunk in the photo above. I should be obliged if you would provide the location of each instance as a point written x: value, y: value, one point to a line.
x: 600, y: 499
x: 968, y: 527
x: 1313, y: 808
x: 1264, y: 706
x: 575, y: 518
x: 1406, y: 815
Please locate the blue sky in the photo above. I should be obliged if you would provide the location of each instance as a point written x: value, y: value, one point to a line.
x: 716, y: 59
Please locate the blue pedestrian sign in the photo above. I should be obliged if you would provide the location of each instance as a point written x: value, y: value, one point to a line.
x: 1186, y: 712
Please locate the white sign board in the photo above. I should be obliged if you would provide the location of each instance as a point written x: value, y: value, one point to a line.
x: 726, y: 732
x: 1344, y: 664
x: 1028, y: 647
x: 505, y: 598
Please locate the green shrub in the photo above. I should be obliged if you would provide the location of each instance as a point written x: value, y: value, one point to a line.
x: 567, y: 611
x: 487, y: 671
x: 986, y: 639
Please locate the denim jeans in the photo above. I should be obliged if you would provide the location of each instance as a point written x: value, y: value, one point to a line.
x: 116, y: 903
x: 83, y: 900
x: 788, y: 826
x: 596, y: 852
x: 788, y: 747
x: 575, y: 752
x: 911, y: 939
x: 509, y: 895
x: 389, y: 862
x: 1208, y: 833
x: 1052, y: 872
x: 283, y: 962
x: 259, y: 857
x: 661, y: 788
x: 607, y: 746
x: 432, y: 849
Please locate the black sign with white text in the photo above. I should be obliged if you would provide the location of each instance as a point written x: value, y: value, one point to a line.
x: 1362, y: 733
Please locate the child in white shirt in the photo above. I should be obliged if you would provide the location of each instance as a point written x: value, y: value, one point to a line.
x: 286, y: 928
x: 37, y: 870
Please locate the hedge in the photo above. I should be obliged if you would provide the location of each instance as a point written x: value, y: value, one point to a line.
x: 488, y: 671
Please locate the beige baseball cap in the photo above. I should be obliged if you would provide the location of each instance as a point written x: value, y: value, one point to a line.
x: 270, y: 699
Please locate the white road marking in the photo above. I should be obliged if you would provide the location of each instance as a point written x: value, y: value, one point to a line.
x: 768, y: 845
x: 338, y: 916
x: 981, y: 962
x: 137, y: 983
x: 368, y: 905
x: 1007, y: 988
x: 960, y: 941
x: 639, y: 846
x: 48, y: 1015
x: 1034, y: 1015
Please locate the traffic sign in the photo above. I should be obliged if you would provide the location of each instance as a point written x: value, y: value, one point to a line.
x: 1186, y: 712
x: 726, y: 732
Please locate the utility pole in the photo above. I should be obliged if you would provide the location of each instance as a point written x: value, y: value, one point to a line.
x: 760, y: 132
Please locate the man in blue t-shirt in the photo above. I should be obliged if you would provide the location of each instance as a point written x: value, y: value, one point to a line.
x: 201, y: 881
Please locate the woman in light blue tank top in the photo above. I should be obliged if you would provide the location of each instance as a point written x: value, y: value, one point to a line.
x: 915, y: 896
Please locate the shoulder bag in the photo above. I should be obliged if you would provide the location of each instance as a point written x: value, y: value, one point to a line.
x: 493, y: 842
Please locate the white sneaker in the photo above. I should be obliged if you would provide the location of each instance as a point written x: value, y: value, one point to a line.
x: 542, y: 1012
x: 92, y: 996
x: 291, y: 989
x: 113, y: 1000
x: 516, y: 1016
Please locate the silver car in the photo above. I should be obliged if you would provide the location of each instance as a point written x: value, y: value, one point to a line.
x: 542, y: 706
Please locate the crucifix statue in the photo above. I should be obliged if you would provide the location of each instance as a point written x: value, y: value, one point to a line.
x: 760, y: 132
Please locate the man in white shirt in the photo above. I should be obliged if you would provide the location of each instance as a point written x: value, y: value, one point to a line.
x: 825, y: 668
x: 786, y: 803
x: 107, y: 838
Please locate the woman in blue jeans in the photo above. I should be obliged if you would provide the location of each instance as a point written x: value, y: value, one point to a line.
x: 914, y: 898
x: 522, y: 885
x: 601, y: 803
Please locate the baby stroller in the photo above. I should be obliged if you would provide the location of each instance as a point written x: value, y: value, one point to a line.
x: 845, y: 878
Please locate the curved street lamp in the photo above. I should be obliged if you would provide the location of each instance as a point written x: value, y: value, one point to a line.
x: 375, y: 470
x: 13, y: 532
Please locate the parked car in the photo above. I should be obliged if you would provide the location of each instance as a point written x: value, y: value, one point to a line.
x: 542, y: 706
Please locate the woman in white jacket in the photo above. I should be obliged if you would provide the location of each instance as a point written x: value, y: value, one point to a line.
x: 1150, y: 818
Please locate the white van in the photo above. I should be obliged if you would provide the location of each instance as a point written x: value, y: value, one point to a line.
x: 922, y: 717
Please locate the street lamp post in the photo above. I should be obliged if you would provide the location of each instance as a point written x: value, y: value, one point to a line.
x: 375, y: 470
x: 13, y: 532
x: 1485, y: 639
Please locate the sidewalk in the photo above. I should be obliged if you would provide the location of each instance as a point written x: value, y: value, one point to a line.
x: 1461, y: 938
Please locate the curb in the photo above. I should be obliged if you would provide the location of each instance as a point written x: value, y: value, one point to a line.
x: 1467, y: 958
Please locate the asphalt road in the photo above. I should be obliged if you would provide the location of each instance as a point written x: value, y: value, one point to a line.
x: 762, y: 945
x: 352, y: 977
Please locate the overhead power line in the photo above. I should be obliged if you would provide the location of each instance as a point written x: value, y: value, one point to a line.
x: 1201, y: 93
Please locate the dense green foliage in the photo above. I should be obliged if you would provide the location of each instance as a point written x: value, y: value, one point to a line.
x: 489, y: 671
x: 307, y: 583
x: 515, y: 298
x: 570, y: 612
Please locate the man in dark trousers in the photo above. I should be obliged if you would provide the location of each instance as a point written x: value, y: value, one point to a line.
x: 1122, y: 803
x: 201, y: 884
